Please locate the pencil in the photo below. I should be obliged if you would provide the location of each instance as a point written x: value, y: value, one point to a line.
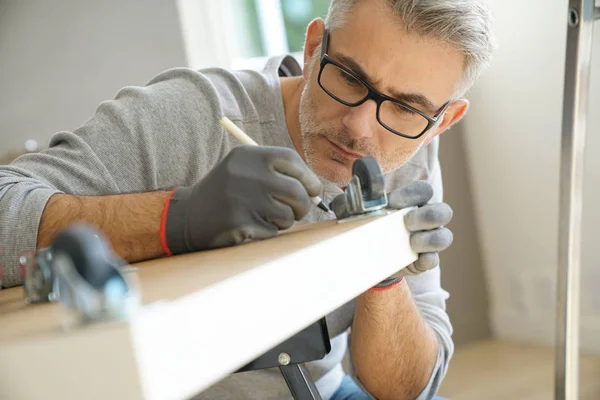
x: 245, y: 139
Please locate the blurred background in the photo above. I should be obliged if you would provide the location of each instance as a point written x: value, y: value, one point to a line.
x: 59, y: 59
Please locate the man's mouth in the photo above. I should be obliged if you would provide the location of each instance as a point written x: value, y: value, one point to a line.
x: 343, y: 151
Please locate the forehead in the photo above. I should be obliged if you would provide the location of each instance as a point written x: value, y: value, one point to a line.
x: 394, y: 58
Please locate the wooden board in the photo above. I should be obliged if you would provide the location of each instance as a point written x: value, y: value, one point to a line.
x: 204, y: 316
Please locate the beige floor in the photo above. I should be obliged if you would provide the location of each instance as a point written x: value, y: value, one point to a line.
x: 493, y: 370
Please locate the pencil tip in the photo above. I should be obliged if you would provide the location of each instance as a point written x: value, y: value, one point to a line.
x: 323, y: 207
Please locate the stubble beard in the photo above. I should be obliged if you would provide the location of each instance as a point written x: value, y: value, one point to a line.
x: 310, y: 131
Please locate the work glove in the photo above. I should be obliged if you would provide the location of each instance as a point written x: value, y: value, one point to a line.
x: 426, y: 224
x: 251, y: 194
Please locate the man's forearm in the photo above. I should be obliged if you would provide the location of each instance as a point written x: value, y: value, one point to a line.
x: 393, y: 349
x: 131, y: 222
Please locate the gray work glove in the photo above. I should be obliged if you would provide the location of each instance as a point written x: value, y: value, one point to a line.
x: 426, y: 225
x: 251, y: 194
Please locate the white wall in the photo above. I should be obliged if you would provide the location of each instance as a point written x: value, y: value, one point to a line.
x: 513, y: 141
x: 59, y: 59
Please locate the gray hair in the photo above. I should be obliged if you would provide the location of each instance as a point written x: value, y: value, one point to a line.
x: 464, y: 24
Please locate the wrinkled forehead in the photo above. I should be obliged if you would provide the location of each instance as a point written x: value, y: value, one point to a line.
x: 396, y: 60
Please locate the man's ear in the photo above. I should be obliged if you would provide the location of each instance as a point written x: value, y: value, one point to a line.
x: 454, y: 113
x: 314, y: 37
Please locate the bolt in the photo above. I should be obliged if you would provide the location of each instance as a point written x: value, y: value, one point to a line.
x: 284, y: 359
x: 573, y: 17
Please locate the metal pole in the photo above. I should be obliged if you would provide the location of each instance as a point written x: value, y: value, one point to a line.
x: 300, y: 382
x: 582, y: 14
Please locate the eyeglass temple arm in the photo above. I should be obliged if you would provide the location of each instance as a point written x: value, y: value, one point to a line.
x: 325, y: 43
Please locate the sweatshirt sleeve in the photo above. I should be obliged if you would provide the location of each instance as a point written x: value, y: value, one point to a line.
x: 147, y: 138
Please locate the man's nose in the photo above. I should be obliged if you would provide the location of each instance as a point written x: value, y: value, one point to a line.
x: 361, y: 121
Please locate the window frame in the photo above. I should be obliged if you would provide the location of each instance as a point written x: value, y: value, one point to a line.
x: 208, y: 32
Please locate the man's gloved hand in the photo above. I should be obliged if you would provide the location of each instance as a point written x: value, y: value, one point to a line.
x: 426, y: 224
x: 251, y: 194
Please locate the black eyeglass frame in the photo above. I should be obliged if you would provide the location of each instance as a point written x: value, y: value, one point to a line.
x: 373, y: 94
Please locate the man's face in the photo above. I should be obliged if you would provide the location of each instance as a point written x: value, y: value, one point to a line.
x: 374, y: 45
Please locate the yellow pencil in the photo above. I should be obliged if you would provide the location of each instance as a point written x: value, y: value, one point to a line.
x: 245, y: 139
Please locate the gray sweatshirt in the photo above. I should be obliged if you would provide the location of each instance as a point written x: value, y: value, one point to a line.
x: 166, y: 134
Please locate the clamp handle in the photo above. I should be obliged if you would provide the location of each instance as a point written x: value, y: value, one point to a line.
x: 89, y: 277
x: 371, y: 178
x: 89, y: 253
x: 365, y: 193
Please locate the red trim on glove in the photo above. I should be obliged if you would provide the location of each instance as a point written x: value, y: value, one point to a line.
x: 163, y: 226
x: 383, y: 289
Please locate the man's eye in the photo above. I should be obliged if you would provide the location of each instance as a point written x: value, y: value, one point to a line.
x: 398, y: 109
x: 349, y: 79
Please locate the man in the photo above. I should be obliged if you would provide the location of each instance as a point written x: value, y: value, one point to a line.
x: 157, y: 174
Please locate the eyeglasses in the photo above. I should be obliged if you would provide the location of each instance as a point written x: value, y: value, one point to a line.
x: 351, y: 90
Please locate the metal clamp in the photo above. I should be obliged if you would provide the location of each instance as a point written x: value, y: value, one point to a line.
x: 80, y: 271
x: 365, y: 194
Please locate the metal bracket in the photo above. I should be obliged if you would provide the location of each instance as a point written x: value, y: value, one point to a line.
x: 80, y: 271
x: 37, y: 275
x: 365, y: 194
x: 310, y: 344
x: 360, y: 204
x: 115, y: 299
